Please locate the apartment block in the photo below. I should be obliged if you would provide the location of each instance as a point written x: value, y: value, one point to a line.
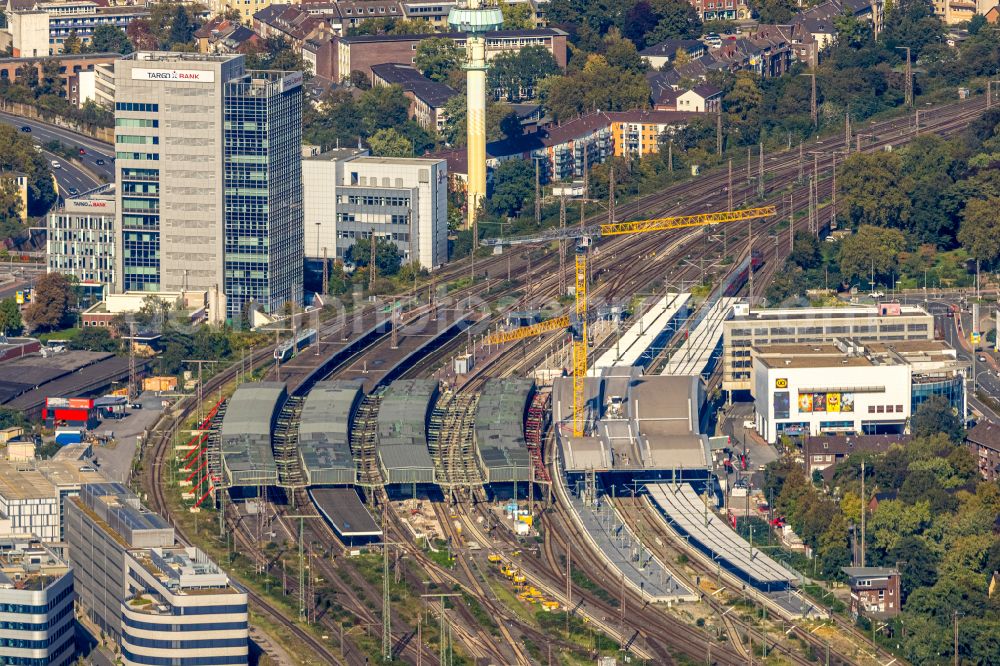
x: 161, y: 602
x: 40, y: 28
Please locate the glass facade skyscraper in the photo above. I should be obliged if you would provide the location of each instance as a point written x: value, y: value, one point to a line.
x: 263, y: 231
x: 210, y: 186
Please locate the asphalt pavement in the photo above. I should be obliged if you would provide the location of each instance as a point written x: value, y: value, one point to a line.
x: 70, y: 175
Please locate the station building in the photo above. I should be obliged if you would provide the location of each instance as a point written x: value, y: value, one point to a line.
x: 851, y: 387
x: 887, y: 322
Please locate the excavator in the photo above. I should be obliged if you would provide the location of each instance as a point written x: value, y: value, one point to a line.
x: 577, y: 322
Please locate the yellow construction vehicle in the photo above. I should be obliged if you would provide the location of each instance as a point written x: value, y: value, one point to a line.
x: 507, y: 571
x: 494, y: 557
x: 578, y: 323
x: 519, y: 578
x: 550, y: 606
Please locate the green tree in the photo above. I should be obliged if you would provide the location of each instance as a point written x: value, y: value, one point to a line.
x: 72, y: 43
x: 10, y: 317
x: 390, y: 143
x: 936, y: 415
x: 976, y: 24
x: 454, y: 132
x: 513, y: 188
x: 852, y: 32
x: 51, y: 301
x: 11, y: 418
x: 979, y: 232
x: 109, y: 39
x: 678, y: 19
x: 894, y: 520
x: 514, y: 75
x: 620, y: 52
x: 94, y: 338
x: 597, y: 87
x: 920, y: 568
x: 805, y: 250
x: 181, y: 27
x: 870, y: 248
x: 388, y: 258
x: 742, y: 107
x: 774, y: 11
x: 437, y: 57
x: 870, y: 189
x: 11, y: 225
x: 50, y: 80
x: 277, y: 53
x: 139, y: 35
x: 911, y: 23
x: 517, y: 16
x: 383, y: 107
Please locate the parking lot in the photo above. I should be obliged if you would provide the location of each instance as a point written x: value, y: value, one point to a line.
x: 115, y: 461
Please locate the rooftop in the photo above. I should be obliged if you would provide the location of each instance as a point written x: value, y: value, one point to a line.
x: 778, y: 314
x: 434, y: 94
x: 26, y: 564
x: 368, y: 39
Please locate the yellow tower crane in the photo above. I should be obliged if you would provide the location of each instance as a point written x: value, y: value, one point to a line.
x: 578, y: 323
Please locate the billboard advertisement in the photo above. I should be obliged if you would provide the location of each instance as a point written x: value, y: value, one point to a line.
x: 829, y: 403
x: 195, y: 75
x: 782, y: 404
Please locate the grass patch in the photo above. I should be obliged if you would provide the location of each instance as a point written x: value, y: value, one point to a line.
x: 584, y: 581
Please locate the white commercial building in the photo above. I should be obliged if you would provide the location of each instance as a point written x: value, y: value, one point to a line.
x: 850, y: 387
x: 36, y: 600
x: 887, y: 322
x: 32, y: 492
x: 81, y: 237
x: 349, y: 195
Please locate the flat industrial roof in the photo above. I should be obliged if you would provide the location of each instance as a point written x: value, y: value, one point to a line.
x: 666, y: 410
x: 37, y: 370
x: 639, y: 337
x: 325, y: 431
x: 694, y: 356
x: 769, y: 315
x: 345, y: 511
x: 247, y: 453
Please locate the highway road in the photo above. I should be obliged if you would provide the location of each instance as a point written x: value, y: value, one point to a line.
x: 70, y: 176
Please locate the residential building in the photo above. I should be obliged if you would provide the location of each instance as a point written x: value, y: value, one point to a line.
x: 819, y: 21
x: 32, y: 492
x: 721, y: 10
x: 209, y: 168
x: 849, y: 387
x: 69, y: 66
x: 360, y: 52
x: 104, y: 85
x: 298, y: 23
x: 220, y: 35
x: 658, y: 55
x: 702, y: 98
x: 983, y: 440
x: 36, y: 598
x: 888, y: 322
x: 824, y: 452
x: 562, y: 149
x: 158, y: 600
x: 953, y: 12
x: 80, y: 238
x: 427, y: 98
x: 875, y: 592
x: 39, y: 28
x: 434, y: 12
x: 349, y: 195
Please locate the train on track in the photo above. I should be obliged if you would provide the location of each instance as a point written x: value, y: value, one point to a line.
x: 287, y: 350
x: 739, y: 276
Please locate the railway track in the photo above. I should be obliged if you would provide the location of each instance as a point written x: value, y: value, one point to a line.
x: 704, y: 190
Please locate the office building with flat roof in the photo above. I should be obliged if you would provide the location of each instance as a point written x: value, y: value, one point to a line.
x: 349, y: 196
x: 887, y: 322
x: 36, y: 602
x: 160, y: 601
x: 80, y: 238
x: 209, y: 174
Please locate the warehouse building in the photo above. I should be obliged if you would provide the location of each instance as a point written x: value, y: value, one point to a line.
x: 36, y: 598
x: 887, y: 322
x: 325, y: 433
x: 850, y: 387
x: 403, y: 417
x: 161, y: 602
x: 499, y: 430
x: 247, y: 453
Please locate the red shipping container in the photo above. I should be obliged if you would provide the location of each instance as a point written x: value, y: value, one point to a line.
x: 81, y: 403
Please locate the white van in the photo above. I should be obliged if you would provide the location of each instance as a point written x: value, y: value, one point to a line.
x: 56, y: 165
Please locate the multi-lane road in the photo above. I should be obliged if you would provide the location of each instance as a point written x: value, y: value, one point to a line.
x: 80, y: 174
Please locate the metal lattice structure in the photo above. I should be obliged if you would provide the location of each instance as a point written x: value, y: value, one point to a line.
x: 580, y: 345
x: 528, y: 331
x: 684, y: 221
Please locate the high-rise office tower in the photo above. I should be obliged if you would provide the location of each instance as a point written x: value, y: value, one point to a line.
x: 209, y: 173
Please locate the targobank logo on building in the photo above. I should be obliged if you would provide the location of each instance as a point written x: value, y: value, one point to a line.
x: 195, y: 75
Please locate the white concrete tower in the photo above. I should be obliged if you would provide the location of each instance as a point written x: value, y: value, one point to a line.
x: 475, y: 18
